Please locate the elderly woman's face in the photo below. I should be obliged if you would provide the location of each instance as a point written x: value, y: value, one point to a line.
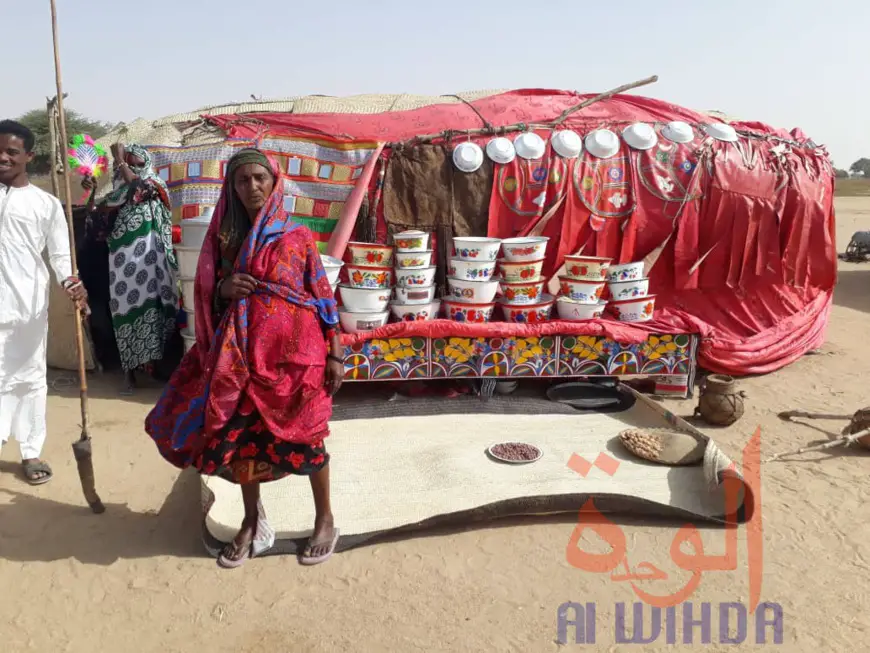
x: 253, y: 184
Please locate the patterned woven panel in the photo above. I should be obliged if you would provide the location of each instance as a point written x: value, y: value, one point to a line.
x: 321, y: 173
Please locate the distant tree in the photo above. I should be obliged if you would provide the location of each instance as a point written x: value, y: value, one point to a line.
x: 861, y: 166
x: 839, y: 173
x: 37, y: 121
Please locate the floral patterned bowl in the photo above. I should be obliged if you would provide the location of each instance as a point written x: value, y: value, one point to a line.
x: 370, y: 254
x: 636, y: 309
x: 593, y: 268
x: 474, y: 248
x: 573, y: 311
x: 364, y: 299
x: 625, y: 271
x: 415, y: 260
x: 523, y: 293
x: 411, y: 277
x: 529, y: 271
x: 475, y: 292
x: 582, y: 291
x: 464, y: 312
x: 415, y: 312
x: 358, y: 321
x: 627, y: 289
x: 368, y: 276
x: 470, y: 270
x: 411, y: 241
x: 521, y: 250
x: 530, y: 314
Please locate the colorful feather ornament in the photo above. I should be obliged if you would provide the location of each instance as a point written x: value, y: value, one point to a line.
x: 86, y: 157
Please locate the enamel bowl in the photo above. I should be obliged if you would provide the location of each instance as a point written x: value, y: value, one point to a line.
x: 573, y: 311
x: 370, y: 254
x: 411, y: 277
x: 415, y: 294
x: 593, y: 268
x: 475, y: 292
x: 367, y: 276
x: 531, y: 313
x: 470, y: 270
x: 415, y: 312
x: 359, y: 321
x: 523, y: 250
x: 474, y: 248
x: 636, y: 309
x: 625, y: 271
x: 414, y: 260
x: 581, y: 290
x: 364, y: 299
x: 411, y: 241
x: 522, y: 293
x: 628, y: 289
x: 529, y: 271
x: 464, y: 312
x: 332, y: 266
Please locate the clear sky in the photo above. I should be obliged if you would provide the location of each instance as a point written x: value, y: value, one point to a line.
x: 785, y: 62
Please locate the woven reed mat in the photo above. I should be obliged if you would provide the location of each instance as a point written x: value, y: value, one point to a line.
x: 399, y: 467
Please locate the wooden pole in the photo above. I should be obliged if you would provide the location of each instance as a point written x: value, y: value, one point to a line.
x: 50, y: 110
x: 81, y: 448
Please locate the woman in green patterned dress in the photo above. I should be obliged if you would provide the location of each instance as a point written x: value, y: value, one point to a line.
x: 142, y: 266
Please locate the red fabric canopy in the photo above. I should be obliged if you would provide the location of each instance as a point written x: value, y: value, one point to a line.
x: 759, y: 219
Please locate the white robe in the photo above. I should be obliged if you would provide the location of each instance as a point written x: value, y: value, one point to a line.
x: 31, y: 220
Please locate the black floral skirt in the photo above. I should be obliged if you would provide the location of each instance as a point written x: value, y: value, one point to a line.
x: 246, y: 452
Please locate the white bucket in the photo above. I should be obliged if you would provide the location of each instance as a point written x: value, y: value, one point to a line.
x: 187, y: 294
x: 193, y: 231
x: 191, y: 326
x: 187, y: 257
x: 189, y: 342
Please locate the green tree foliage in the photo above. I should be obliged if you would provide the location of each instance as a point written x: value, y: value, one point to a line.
x: 37, y: 121
x: 861, y: 165
x: 839, y: 173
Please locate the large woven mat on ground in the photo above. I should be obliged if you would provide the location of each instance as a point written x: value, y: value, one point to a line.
x: 403, y: 466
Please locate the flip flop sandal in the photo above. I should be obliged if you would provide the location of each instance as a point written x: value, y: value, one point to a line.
x: 264, y: 539
x: 32, y: 469
x: 309, y: 560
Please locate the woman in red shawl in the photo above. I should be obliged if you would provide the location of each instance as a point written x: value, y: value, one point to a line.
x: 251, y: 400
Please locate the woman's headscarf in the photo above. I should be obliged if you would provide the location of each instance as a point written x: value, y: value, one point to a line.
x: 229, y: 214
x: 236, y: 223
x: 145, y: 172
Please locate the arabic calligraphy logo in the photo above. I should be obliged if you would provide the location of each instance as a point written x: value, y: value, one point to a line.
x: 687, y: 538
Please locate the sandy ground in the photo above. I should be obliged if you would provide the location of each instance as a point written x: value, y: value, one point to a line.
x: 137, y: 577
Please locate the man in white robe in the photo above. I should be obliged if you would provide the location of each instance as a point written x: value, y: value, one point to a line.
x: 31, y: 220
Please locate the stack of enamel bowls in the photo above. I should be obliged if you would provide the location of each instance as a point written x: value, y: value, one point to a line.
x: 522, y: 288
x: 471, y: 288
x: 415, y: 278
x: 366, y: 295
x: 581, y: 287
x: 629, y: 292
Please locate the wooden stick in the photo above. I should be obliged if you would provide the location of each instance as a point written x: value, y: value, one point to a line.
x: 82, y: 447
x: 428, y: 138
x: 789, y: 414
x: 605, y: 95
x: 52, y: 134
x: 83, y: 383
x: 846, y: 441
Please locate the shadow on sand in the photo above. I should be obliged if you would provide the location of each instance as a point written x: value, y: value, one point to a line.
x: 33, y: 529
x: 853, y: 288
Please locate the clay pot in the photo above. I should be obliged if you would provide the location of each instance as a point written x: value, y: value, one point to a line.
x: 720, y: 403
